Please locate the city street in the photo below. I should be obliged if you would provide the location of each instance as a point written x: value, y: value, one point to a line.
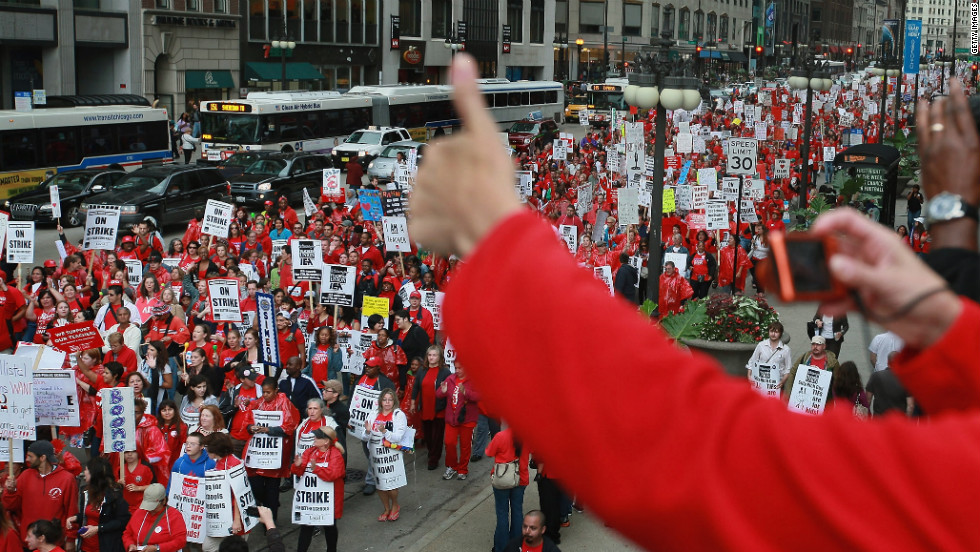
x: 440, y: 515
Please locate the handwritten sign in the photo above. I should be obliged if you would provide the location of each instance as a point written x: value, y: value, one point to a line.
x: 370, y: 201
x: 374, y: 305
x: 332, y: 188
x: 765, y: 379
x: 118, y: 419
x: 17, y: 419
x: 187, y: 497
x: 56, y: 398
x: 396, y: 234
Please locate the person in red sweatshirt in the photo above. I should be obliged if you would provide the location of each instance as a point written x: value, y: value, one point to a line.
x: 155, y: 526
x: 468, y: 186
x: 43, y: 491
x: 325, y: 460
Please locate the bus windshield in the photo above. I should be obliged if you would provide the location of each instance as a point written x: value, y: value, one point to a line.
x: 233, y: 128
x: 606, y: 100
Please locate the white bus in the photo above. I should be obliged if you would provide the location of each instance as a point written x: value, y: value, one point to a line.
x: 35, y: 144
x: 604, y: 97
x: 280, y: 121
x: 427, y: 110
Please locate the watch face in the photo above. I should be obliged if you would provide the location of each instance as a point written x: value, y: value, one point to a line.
x: 945, y: 207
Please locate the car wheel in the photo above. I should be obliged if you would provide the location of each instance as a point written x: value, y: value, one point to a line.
x: 73, y: 218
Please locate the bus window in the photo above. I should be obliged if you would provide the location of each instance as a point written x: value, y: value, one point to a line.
x: 98, y: 140
x: 514, y: 99
x: 525, y: 98
x: 60, y: 146
x: 537, y: 98
x: 440, y: 111
x: 156, y: 135
x: 131, y: 138
x: 500, y: 100
x: 18, y: 149
x: 489, y: 99
x: 311, y: 124
x: 552, y: 96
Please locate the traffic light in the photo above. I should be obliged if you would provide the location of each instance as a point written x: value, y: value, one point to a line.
x: 699, y: 49
x: 758, y: 49
x: 850, y: 51
x: 974, y: 80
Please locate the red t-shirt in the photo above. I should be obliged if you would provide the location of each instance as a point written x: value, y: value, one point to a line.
x: 319, y: 364
x: 819, y: 362
x: 428, y: 396
x: 140, y: 476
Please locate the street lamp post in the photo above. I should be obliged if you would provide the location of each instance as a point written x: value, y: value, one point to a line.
x: 283, y: 46
x: 653, y: 84
x: 885, y: 70
x: 561, y: 45
x: 809, y: 76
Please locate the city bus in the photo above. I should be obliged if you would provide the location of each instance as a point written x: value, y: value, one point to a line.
x: 38, y: 143
x: 280, y: 121
x: 605, y: 96
x: 427, y: 110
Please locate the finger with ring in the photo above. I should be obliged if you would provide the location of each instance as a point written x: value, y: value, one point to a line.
x: 937, y: 127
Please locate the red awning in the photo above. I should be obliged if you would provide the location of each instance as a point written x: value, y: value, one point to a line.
x: 834, y: 50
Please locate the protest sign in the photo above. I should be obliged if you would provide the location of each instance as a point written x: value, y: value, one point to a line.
x: 265, y: 315
x: 699, y: 197
x: 307, y: 260
x: 697, y: 221
x: 363, y: 402
x: 265, y: 451
x: 217, y: 218
x: 394, y: 203
x: 708, y: 177
x: 17, y: 419
x: 313, y: 500
x: 218, y: 503
x: 604, y: 273
x: 716, y: 216
x: 134, y: 272
x: 18, y: 454
x: 389, y: 468
x: 75, y: 338
x: 396, y: 234
x: 829, y: 152
x: 523, y: 182
x: 569, y: 234
x: 358, y: 343
x: 55, y: 198
x: 682, y: 197
x: 370, y: 201
x: 20, y: 242
x: 765, y: 379
x: 101, y: 226
x: 56, y: 398
x: 118, y: 419
x: 629, y: 210
x: 224, y: 298
x: 374, y: 305
x: 244, y: 498
x: 729, y: 188
x: 679, y: 260
x: 4, y: 221
x: 337, y: 286
x: 432, y: 300
x: 559, y: 152
x: 685, y: 143
x: 761, y: 130
x: 309, y: 206
x: 668, y: 203
x: 781, y: 168
x: 810, y: 390
x: 333, y: 190
x: 187, y: 496
x: 584, y: 199
x: 277, y: 247
x: 43, y: 355
x: 583, y: 117
x: 747, y: 212
x: 405, y: 292
x: 754, y: 188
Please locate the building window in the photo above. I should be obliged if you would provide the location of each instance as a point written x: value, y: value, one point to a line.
x: 699, y: 26
x: 357, y: 21
x: 193, y: 5
x: 410, y: 13
x: 723, y: 29
x: 537, y: 21
x: 668, y: 22
x: 220, y: 6
x: 655, y: 20
x: 371, y: 22
x: 326, y: 20
x: 561, y: 16
x: 83, y: 4
x: 342, y: 9
x: 515, y: 18
x: 633, y: 19
x: 683, y: 30
x: 712, y: 27
x: 161, y: 4
x: 591, y: 17
x: 442, y: 17
x: 310, y: 23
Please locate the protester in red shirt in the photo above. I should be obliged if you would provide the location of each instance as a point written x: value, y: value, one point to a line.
x: 119, y: 352
x: 265, y: 481
x: 45, y: 491
x: 325, y: 460
x: 138, y: 478
x: 155, y: 526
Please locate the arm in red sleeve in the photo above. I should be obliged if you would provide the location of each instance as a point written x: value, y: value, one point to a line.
x: 717, y: 444
x: 334, y: 469
x: 944, y: 378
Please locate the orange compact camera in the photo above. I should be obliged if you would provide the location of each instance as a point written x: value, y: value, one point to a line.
x: 797, y: 270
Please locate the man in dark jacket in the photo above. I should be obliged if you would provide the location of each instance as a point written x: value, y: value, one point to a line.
x: 532, y: 535
x: 299, y: 388
x: 626, y: 278
x: 412, y: 339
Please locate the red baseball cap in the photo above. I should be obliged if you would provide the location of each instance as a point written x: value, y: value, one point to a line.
x: 50, y: 263
x: 373, y: 361
x: 128, y: 239
x: 415, y: 295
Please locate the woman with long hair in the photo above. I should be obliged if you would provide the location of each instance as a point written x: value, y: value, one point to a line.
x: 148, y: 290
x: 729, y: 255
x: 505, y: 448
x: 758, y: 253
x: 324, y: 358
x: 273, y: 416
x: 62, y: 317
x: 40, y: 311
x: 9, y: 536
x: 220, y: 449
x: 325, y: 460
x: 106, y: 512
x: 198, y: 364
x: 43, y: 536
x: 197, y: 394
x: 388, y: 423
x: 846, y: 390
x: 430, y: 408
x: 462, y: 413
x: 201, y: 339
x: 174, y: 429
x: 391, y: 355
x: 155, y: 368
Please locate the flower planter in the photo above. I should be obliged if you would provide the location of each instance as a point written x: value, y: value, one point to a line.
x: 732, y: 356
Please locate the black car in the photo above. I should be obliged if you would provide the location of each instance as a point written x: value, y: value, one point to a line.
x: 237, y: 163
x: 74, y: 187
x: 168, y: 193
x: 280, y: 174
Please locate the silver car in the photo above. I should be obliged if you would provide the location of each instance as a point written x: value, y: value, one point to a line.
x: 383, y: 166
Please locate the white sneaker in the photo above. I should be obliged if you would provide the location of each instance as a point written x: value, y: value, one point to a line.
x: 462, y: 476
x: 450, y: 473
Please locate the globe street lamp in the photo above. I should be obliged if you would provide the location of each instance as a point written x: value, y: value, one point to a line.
x: 283, y: 46
x: 657, y: 82
x: 809, y: 76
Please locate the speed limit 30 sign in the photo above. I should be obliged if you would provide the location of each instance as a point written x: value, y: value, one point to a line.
x: 742, y: 155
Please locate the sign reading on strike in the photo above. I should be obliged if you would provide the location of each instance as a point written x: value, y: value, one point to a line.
x: 101, y: 225
x: 363, y: 402
x: 20, y: 242
x: 224, y: 297
x: 217, y: 218
x: 742, y: 155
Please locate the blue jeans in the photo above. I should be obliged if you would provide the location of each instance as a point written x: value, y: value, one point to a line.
x: 828, y: 171
x: 504, y: 499
x: 481, y: 436
x: 912, y: 215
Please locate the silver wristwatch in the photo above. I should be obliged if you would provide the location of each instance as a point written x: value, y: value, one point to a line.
x: 946, y: 207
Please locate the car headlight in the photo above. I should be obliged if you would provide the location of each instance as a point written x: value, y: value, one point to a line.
x: 83, y: 206
x: 265, y: 186
x: 362, y: 153
x: 128, y: 209
x: 527, y: 140
x: 6, y: 205
x: 371, y: 165
x: 45, y: 207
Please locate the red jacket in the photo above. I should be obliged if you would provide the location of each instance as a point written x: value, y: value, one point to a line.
x: 54, y: 496
x: 459, y: 394
x: 172, y: 534
x: 290, y: 419
x: 329, y: 467
x: 715, y: 507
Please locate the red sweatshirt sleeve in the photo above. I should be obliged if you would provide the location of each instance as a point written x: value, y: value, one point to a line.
x: 721, y: 460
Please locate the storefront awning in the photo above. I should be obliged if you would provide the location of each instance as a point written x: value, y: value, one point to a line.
x: 268, y: 71
x: 834, y: 50
x: 196, y: 80
x: 714, y: 54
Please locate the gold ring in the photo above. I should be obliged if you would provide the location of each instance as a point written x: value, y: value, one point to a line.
x: 938, y: 127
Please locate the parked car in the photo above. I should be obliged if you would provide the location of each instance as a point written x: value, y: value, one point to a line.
x: 168, y: 193
x: 522, y: 134
x: 237, y: 163
x: 383, y: 165
x: 74, y: 187
x: 366, y: 144
x: 282, y: 173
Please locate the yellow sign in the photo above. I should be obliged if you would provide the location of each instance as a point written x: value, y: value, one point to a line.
x: 13, y: 183
x: 375, y: 305
x: 668, y: 202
